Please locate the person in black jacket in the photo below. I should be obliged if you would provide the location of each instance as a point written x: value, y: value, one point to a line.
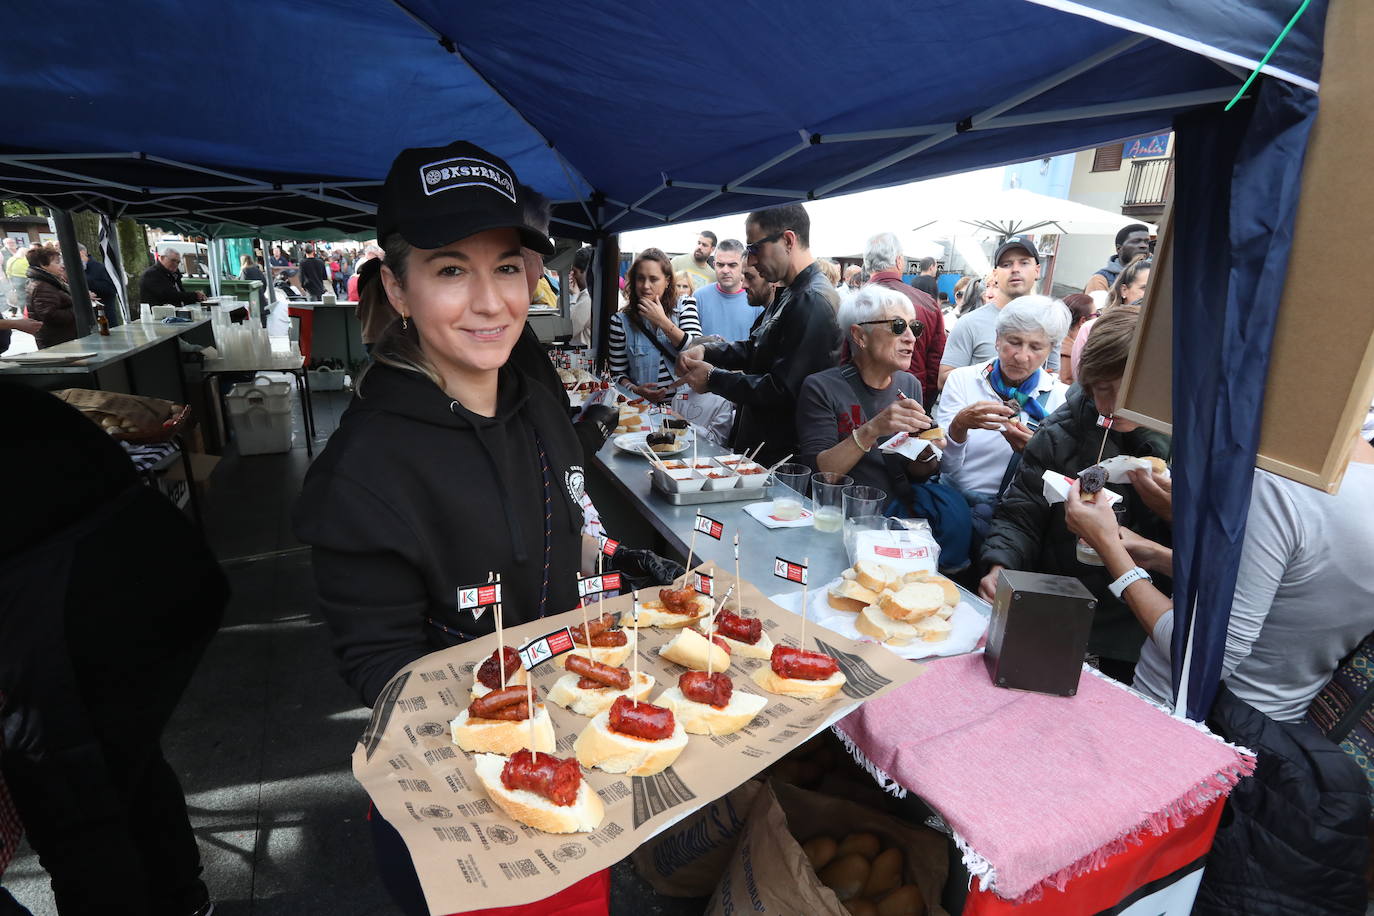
x: 1028, y: 533
x: 451, y: 463
x: 98, y: 279
x: 314, y: 273
x: 161, y: 283
x: 93, y: 660
x: 795, y: 336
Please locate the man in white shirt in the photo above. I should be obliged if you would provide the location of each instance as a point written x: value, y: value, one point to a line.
x: 973, y: 339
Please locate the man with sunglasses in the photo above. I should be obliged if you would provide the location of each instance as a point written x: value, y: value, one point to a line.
x: 884, y: 264
x: 795, y: 336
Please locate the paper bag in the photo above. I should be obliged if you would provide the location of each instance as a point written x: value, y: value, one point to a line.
x: 687, y: 859
x: 769, y: 873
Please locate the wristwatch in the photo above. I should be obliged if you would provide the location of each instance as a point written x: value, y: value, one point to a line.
x: 1134, y: 574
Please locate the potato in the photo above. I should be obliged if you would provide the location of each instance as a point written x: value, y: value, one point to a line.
x: 846, y: 875
x: 886, y: 873
x: 820, y: 851
x: 860, y: 906
x: 904, y: 901
x: 865, y: 844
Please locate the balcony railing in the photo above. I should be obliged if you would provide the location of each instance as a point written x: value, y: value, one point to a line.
x: 1150, y: 182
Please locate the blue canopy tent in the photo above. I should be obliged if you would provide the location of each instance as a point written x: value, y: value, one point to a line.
x: 285, y: 116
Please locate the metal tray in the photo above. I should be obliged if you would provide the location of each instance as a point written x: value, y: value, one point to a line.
x: 701, y: 497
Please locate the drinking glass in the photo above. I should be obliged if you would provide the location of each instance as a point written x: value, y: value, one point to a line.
x: 860, y: 500
x: 787, y: 499
x: 827, y: 495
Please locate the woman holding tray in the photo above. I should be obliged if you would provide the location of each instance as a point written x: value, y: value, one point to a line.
x: 451, y: 463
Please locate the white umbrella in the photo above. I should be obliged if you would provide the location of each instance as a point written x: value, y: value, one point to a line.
x: 1018, y: 211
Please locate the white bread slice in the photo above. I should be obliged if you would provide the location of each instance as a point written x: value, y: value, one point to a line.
x: 607, y: 655
x: 945, y: 613
x: 873, y: 622
x: 933, y: 629
x: 951, y: 591
x: 652, y: 614
x: 913, y: 602
x: 692, y: 650
x: 604, y: 749
x: 761, y: 649
x: 503, y: 736
x: 850, y: 596
x: 518, y: 679
x: 768, y: 679
x: 874, y: 576
x: 533, y: 809
x: 705, y: 719
x: 587, y: 702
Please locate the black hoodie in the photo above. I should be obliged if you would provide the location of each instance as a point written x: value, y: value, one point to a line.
x: 416, y: 496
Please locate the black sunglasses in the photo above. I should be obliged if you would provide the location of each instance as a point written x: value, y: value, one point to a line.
x: 750, y: 250
x: 898, y: 326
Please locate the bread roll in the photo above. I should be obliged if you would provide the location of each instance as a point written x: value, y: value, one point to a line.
x: 846, y: 876
x: 904, y: 901
x: 533, y: 809
x: 761, y: 649
x: 705, y: 719
x: 766, y: 678
x: 590, y: 701
x: 935, y: 432
x: 933, y: 629
x: 518, y: 679
x: 613, y: 752
x: 616, y: 656
x: 692, y: 650
x: 652, y: 614
x: 873, y: 622
x: 865, y: 844
x: 503, y: 736
x: 886, y: 873
x: 850, y: 596
x: 820, y: 851
x: 913, y: 602
x: 951, y: 591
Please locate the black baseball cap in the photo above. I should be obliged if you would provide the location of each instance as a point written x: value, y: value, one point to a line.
x: 1016, y: 241
x: 436, y: 195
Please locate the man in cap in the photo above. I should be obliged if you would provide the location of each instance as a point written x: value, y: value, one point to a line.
x: 973, y: 340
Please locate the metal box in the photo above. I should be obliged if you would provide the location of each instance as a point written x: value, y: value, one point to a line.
x: 1039, y: 632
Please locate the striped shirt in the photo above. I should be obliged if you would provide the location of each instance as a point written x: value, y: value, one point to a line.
x: 684, y: 316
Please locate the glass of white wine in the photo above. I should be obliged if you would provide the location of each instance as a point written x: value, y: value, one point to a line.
x: 827, y: 499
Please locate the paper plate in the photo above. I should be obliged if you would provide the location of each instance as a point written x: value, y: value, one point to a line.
x: 634, y: 444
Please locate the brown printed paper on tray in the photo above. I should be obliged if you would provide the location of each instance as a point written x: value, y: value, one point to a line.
x: 470, y: 855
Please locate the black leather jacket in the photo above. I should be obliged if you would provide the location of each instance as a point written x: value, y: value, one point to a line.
x: 794, y: 337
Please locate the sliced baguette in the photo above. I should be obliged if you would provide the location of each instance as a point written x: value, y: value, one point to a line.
x: 935, y: 432
x: 693, y: 650
x: 913, y: 602
x: 951, y: 591
x: 589, y: 702
x: 612, y: 752
x: 873, y: 622
x: 518, y: 679
x: 652, y: 614
x: 705, y: 719
x: 533, y: 809
x: 503, y: 736
x: 933, y: 629
x: 850, y: 596
x: 607, y: 655
x: 874, y: 576
x: 768, y: 679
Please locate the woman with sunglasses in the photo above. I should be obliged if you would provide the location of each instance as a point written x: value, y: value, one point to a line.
x: 990, y: 410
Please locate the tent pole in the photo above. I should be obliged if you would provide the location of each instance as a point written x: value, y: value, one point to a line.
x: 757, y: 170
x: 76, y: 273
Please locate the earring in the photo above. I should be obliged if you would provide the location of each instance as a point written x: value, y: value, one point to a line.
x: 405, y: 325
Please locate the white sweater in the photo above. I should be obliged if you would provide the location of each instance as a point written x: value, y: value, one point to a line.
x: 980, y: 461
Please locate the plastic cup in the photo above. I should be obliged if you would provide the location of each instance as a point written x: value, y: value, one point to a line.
x: 827, y: 499
x: 858, y: 501
x: 787, y: 498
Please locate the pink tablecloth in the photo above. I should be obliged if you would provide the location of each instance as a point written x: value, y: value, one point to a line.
x: 1039, y: 789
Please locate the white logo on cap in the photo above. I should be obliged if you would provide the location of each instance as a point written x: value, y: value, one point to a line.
x: 465, y: 172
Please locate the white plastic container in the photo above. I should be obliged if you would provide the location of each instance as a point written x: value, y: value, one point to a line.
x: 260, y: 413
x: 683, y: 481
x: 751, y: 481
x: 325, y: 378
x: 721, y: 479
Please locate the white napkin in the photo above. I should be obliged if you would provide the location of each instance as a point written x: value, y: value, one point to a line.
x: 763, y: 514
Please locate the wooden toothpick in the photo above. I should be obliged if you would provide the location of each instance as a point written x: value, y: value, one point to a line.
x: 739, y: 589
x: 1106, y: 431
x: 529, y: 698
x: 500, y: 637
x: 806, y: 570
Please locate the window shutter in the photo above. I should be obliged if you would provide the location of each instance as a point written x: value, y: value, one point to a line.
x: 1107, y: 158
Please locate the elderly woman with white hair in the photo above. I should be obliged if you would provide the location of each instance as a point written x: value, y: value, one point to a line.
x: 989, y: 411
x: 845, y: 413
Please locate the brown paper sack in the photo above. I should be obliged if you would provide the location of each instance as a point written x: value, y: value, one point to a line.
x: 769, y: 873
x: 687, y: 859
x: 468, y: 854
